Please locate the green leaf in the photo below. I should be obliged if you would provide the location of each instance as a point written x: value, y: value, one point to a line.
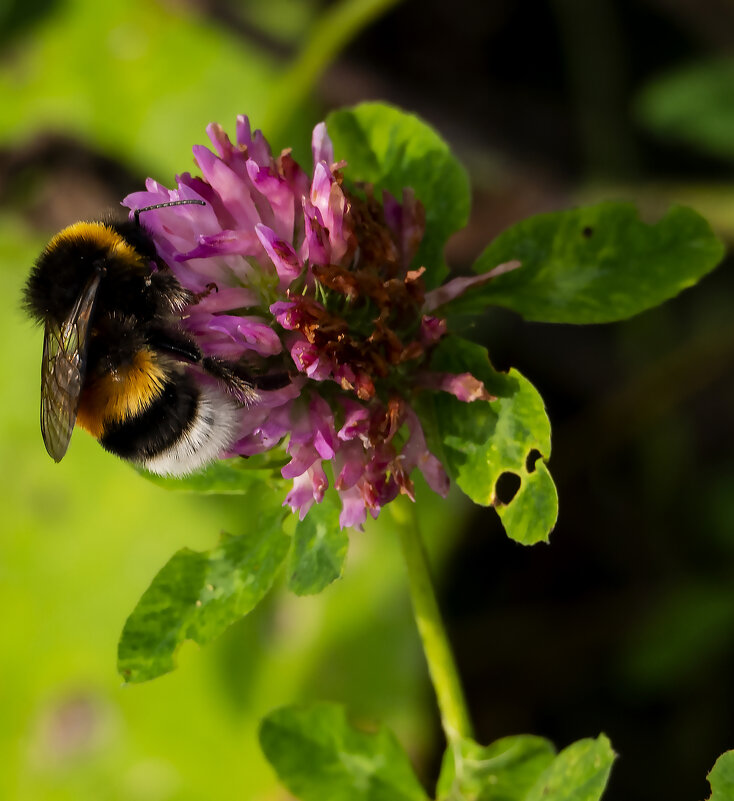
x: 693, y: 104
x: 319, y: 550
x: 107, y: 83
x: 393, y: 150
x: 482, y: 440
x: 532, y: 513
x: 224, y: 477
x: 593, y: 265
x: 506, y: 770
x: 525, y: 768
x: 721, y: 778
x: 319, y: 756
x: 198, y: 594
x: 579, y: 773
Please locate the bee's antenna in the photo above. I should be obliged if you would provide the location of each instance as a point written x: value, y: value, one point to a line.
x: 138, y: 212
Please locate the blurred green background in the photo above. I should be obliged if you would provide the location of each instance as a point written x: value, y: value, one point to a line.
x: 622, y: 625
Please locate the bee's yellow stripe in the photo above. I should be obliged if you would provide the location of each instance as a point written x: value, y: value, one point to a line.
x: 99, y: 234
x: 121, y: 395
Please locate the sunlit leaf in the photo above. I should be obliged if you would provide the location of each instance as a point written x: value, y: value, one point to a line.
x: 579, y: 773
x: 320, y: 756
x: 525, y: 768
x: 319, y: 550
x: 506, y: 770
x: 391, y: 150
x: 141, y: 81
x: 721, y: 778
x: 594, y: 264
x: 198, y: 594
x: 482, y: 440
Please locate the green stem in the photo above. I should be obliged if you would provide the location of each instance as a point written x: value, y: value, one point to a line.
x: 441, y: 664
x: 330, y: 34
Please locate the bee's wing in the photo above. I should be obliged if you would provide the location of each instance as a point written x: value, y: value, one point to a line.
x: 62, y: 371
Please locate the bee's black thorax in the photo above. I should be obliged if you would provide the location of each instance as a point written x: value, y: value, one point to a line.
x: 136, y: 236
x: 115, y: 340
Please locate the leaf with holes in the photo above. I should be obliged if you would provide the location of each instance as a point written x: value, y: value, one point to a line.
x: 318, y: 551
x: 320, y: 756
x: 482, y: 440
x: 721, y: 778
x: 392, y: 150
x: 506, y: 770
x: 593, y: 265
x: 198, y: 594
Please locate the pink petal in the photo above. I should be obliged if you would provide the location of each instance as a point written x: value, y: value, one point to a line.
x: 278, y: 194
x: 226, y: 299
x: 248, y: 331
x: 356, y: 421
x: 432, y: 329
x: 316, y: 247
x: 464, y: 386
x: 335, y: 222
x: 302, y: 457
x: 286, y: 313
x: 243, y: 243
x: 321, y: 145
x: 307, y: 359
x: 229, y: 186
x: 220, y: 140
x: 307, y: 488
x: 416, y: 454
x: 457, y: 286
x: 321, y: 189
x: 353, y: 511
x: 322, y: 421
x: 257, y: 146
x: 349, y: 463
x: 285, y: 259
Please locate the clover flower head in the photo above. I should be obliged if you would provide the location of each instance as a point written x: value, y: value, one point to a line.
x: 300, y: 272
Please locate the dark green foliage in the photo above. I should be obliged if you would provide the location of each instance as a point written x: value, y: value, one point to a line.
x: 594, y: 264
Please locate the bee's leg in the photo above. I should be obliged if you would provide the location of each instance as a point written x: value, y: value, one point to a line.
x: 165, y: 286
x: 241, y: 381
x: 208, y: 289
x: 176, y: 344
x: 237, y: 379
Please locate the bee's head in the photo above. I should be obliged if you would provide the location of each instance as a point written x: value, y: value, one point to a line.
x: 68, y: 261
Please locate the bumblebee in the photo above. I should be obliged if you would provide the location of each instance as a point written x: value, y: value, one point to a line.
x: 116, y: 360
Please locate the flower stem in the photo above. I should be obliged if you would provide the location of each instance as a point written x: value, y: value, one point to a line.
x: 329, y: 35
x: 441, y: 665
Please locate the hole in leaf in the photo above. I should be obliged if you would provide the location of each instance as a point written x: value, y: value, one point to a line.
x: 587, y: 231
x: 533, y: 457
x: 506, y: 488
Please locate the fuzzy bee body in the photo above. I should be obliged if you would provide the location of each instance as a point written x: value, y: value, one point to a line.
x: 116, y: 359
